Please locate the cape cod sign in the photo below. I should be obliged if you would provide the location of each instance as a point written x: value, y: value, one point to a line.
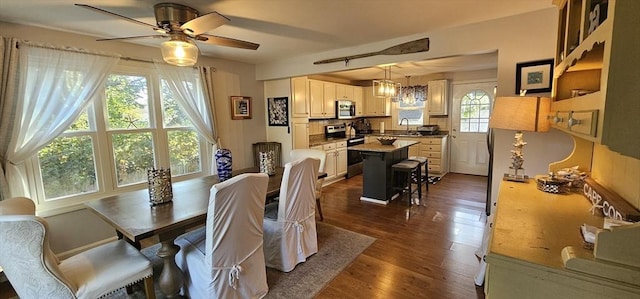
x: 611, y: 204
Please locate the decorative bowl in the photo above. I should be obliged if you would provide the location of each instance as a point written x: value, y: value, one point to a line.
x: 387, y: 140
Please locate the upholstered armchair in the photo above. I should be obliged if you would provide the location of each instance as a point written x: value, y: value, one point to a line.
x: 299, y: 154
x: 290, y: 234
x: 225, y: 258
x: 35, y: 272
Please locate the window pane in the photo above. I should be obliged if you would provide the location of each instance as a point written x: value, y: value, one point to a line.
x: 81, y: 124
x: 67, y: 166
x: 184, y: 152
x: 133, y: 155
x: 172, y: 113
x: 464, y: 125
x: 414, y: 116
x: 127, y: 102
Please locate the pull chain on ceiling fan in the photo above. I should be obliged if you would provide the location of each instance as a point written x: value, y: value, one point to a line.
x: 183, y: 26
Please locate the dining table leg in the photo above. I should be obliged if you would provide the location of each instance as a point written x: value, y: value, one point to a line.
x: 170, y: 280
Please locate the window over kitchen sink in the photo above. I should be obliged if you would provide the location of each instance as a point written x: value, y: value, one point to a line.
x: 414, y: 112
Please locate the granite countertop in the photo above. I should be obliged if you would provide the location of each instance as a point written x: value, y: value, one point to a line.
x: 319, y: 139
x: 378, y: 147
x: 403, y: 134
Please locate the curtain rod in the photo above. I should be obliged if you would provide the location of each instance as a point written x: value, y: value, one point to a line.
x: 82, y: 51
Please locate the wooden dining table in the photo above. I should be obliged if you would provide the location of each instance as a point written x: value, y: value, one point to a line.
x: 135, y: 219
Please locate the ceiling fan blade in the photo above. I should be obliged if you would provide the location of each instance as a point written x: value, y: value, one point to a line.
x: 100, y: 10
x: 204, y: 23
x: 131, y: 37
x: 227, y: 42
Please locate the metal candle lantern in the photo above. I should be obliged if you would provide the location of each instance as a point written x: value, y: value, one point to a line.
x: 160, y: 190
x: 267, y: 163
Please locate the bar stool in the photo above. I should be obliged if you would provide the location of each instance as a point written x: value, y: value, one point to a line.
x: 421, y: 178
x: 407, y: 167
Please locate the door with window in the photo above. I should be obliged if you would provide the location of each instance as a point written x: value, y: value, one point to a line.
x: 469, y: 125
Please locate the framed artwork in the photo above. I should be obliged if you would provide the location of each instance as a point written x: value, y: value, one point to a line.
x: 278, y: 111
x: 534, y: 76
x: 240, y: 107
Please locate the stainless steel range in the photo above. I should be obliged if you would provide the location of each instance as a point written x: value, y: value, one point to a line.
x: 354, y: 160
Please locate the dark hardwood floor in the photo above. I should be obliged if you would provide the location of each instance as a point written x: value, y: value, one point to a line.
x: 425, y: 251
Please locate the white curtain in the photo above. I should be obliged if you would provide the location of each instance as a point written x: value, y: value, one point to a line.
x: 187, y: 86
x: 54, y: 86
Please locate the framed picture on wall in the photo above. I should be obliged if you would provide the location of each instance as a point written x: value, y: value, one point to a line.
x: 534, y: 76
x: 240, y: 107
x: 278, y: 109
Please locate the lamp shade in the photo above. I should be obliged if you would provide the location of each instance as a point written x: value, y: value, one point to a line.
x: 179, y: 51
x: 521, y: 113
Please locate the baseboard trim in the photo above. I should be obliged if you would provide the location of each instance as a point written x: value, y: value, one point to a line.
x: 72, y: 252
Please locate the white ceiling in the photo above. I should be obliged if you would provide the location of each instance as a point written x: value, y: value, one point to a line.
x: 286, y: 28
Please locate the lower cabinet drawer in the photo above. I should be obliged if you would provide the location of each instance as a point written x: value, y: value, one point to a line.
x: 433, y: 168
x: 430, y: 155
x: 431, y: 147
x: 433, y: 161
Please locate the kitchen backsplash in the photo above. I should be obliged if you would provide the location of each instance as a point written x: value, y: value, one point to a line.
x: 317, y: 126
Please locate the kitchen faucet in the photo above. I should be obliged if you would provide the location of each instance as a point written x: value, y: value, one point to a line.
x: 403, y: 119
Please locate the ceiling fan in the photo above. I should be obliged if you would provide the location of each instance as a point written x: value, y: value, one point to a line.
x: 182, y: 25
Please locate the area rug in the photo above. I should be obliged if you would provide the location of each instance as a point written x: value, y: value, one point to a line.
x: 337, y: 248
x: 433, y: 179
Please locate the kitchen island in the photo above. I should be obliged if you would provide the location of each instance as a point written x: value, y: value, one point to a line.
x: 377, y: 186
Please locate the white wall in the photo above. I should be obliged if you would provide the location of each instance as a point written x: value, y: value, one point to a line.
x: 272, y: 89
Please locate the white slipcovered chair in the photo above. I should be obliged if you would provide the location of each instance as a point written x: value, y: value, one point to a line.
x: 299, y: 154
x: 290, y: 234
x: 35, y: 272
x: 225, y: 258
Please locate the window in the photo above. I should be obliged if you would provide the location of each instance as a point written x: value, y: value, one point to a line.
x: 137, y: 125
x: 475, y: 108
x: 414, y: 112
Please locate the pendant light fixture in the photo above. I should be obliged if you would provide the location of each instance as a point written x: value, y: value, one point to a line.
x: 386, y: 88
x: 412, y: 94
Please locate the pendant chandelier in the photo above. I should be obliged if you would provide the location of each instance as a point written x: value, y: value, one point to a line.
x: 412, y: 94
x: 386, y: 88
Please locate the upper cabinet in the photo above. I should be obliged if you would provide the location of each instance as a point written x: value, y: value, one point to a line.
x: 345, y: 92
x: 437, y: 97
x: 375, y: 106
x: 595, y: 90
x: 322, y: 99
x: 299, y: 97
x: 358, y: 93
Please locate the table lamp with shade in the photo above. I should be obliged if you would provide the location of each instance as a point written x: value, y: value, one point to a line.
x: 524, y: 113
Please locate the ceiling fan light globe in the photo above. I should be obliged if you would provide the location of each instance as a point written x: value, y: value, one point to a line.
x: 180, y: 52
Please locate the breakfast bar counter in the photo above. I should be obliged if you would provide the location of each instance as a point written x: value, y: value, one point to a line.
x: 376, y: 170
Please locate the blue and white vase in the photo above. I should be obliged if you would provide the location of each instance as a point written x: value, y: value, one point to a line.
x: 223, y: 161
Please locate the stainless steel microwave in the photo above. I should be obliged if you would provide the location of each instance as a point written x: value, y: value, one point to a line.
x: 345, y: 109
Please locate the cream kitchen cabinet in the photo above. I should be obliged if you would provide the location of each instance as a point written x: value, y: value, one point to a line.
x: 596, y: 70
x: 438, y: 97
x: 345, y: 92
x: 300, y: 133
x: 358, y: 93
x: 336, y: 163
x: 322, y: 99
x: 299, y: 97
x: 435, y: 150
x: 375, y: 106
